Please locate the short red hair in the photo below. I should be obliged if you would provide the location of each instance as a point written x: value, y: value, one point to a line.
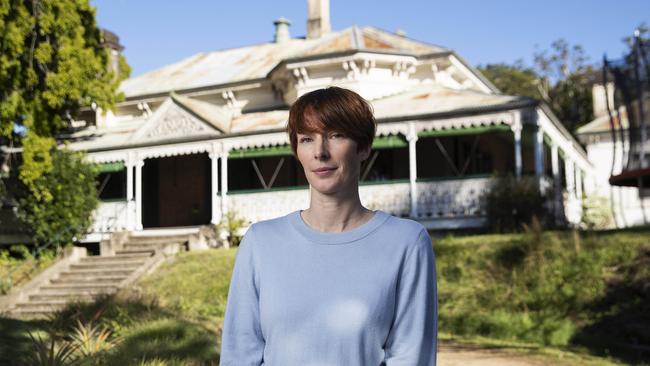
x: 332, y: 109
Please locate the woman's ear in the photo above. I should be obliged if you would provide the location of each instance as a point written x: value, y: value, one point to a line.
x: 365, y: 153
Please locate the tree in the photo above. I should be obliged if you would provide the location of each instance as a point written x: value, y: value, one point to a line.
x: 513, y: 79
x: 566, y: 82
x: 57, y: 204
x: 561, y: 77
x: 52, y: 63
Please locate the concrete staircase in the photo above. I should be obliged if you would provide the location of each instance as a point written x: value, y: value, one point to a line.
x: 85, y: 278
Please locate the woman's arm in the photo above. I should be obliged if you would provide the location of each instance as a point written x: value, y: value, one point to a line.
x: 242, y: 342
x: 412, y: 339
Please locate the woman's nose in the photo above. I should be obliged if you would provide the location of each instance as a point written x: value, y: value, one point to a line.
x: 322, y: 151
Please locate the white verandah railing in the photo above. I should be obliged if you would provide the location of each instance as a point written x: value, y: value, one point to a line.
x: 436, y: 199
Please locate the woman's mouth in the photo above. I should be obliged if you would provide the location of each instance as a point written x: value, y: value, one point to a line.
x: 324, y: 172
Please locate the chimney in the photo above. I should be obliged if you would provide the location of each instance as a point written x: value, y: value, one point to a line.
x: 318, y: 21
x: 281, y: 30
x: 111, y: 41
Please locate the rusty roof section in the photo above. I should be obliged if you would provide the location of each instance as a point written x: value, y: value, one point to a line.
x: 255, y: 62
x: 424, y: 99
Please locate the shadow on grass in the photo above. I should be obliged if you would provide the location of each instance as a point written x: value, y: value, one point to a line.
x: 623, y: 329
x: 141, y: 332
x: 14, y: 338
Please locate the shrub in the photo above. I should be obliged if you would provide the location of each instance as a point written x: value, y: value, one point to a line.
x: 18, y: 265
x: 60, y: 193
x: 511, y: 202
x: 596, y: 213
x: 231, y: 224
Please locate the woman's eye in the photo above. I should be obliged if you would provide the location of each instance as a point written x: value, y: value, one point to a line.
x: 304, y: 139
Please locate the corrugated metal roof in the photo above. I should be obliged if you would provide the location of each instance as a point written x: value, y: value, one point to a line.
x: 254, y: 62
x: 419, y: 100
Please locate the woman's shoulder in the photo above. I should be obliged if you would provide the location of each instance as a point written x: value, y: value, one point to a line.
x: 271, y: 225
x: 404, y: 225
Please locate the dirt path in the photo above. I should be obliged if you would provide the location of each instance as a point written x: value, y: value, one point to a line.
x: 463, y: 355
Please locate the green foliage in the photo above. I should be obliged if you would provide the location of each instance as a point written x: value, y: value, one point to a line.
x: 535, y: 286
x: 18, y: 265
x: 49, y: 351
x: 59, y: 200
x: 596, y: 213
x: 195, y: 284
x: 231, y: 224
x: 512, y: 202
x: 561, y: 77
x: 92, y: 341
x: 514, y: 79
x: 52, y: 63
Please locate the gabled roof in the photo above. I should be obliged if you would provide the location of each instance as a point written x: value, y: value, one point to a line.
x: 601, y: 124
x: 183, y: 119
x: 256, y: 61
x: 172, y: 120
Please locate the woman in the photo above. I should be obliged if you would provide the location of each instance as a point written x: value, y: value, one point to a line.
x: 335, y: 284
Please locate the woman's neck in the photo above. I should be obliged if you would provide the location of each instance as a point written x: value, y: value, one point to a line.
x: 335, y: 214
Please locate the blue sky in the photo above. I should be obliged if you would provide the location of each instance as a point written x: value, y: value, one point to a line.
x: 157, y: 33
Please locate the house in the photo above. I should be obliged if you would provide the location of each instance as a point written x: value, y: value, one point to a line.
x: 203, y: 136
x: 629, y: 205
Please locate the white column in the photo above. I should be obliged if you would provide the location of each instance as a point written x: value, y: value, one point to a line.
x: 214, y: 187
x: 412, y: 138
x: 130, y: 204
x: 579, y: 184
x: 224, y: 182
x: 538, y: 146
x: 516, y: 129
x: 590, y: 184
x: 138, y: 194
x: 557, y: 186
x: 570, y: 177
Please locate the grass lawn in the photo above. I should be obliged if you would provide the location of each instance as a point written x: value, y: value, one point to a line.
x: 174, y: 316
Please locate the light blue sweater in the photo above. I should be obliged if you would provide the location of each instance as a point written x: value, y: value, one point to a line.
x: 302, y: 297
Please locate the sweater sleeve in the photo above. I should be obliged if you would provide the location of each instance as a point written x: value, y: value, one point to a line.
x: 242, y: 342
x: 412, y: 339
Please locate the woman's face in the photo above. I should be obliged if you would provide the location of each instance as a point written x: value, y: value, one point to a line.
x: 330, y: 160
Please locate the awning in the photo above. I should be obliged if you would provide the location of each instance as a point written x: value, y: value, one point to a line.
x: 258, y: 152
x: 382, y: 142
x: 110, y: 167
x: 389, y: 142
x: 464, y: 131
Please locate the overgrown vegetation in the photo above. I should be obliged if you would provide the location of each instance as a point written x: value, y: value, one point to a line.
x: 18, y: 265
x: 230, y: 225
x: 128, y: 329
x: 59, y: 195
x: 511, y: 202
x: 545, y: 287
x: 567, y: 290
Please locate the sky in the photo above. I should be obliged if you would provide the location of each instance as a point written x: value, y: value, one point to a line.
x: 158, y: 33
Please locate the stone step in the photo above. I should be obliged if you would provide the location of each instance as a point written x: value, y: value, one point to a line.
x: 148, y: 251
x: 107, y: 265
x: 78, y: 286
x: 89, y: 279
x: 148, y: 246
x: 29, y: 309
x: 158, y: 240
x: 113, y: 258
x: 68, y: 295
x: 83, y: 273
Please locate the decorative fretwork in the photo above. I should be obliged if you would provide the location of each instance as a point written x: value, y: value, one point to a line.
x: 451, y: 198
x: 176, y: 123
